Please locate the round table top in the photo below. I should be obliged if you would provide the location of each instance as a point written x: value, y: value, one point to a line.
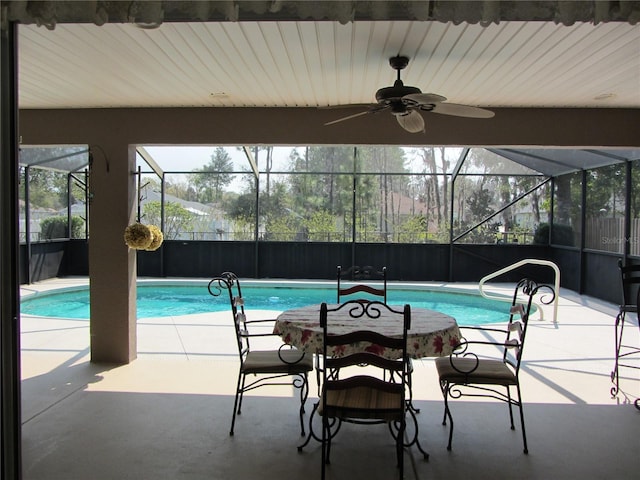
x: 432, y: 333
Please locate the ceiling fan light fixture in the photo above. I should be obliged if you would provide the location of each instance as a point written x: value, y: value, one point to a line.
x: 412, y: 122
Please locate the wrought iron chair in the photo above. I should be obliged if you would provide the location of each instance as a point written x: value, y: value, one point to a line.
x: 466, y: 373
x: 271, y: 367
x: 630, y: 281
x: 366, y: 292
x: 374, y: 397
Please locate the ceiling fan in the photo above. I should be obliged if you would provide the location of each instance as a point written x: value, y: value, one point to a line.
x: 406, y: 102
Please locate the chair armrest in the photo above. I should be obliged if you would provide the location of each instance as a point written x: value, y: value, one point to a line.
x: 472, y: 359
x: 264, y: 320
x: 246, y: 334
x: 483, y: 329
x: 289, y: 361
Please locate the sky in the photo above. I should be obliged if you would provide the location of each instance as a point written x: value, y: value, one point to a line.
x: 181, y: 158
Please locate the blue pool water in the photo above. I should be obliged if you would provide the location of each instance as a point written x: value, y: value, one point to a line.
x: 163, y: 300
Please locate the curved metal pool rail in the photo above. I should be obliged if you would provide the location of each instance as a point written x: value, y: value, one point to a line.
x: 526, y: 261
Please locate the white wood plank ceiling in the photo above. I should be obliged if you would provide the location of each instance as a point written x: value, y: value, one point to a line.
x: 322, y: 63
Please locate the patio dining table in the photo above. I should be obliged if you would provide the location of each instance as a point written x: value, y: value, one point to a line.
x: 432, y: 333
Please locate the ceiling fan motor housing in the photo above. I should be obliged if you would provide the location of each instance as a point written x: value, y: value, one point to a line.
x: 387, y: 95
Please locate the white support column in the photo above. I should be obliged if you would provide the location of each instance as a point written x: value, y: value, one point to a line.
x: 112, y: 265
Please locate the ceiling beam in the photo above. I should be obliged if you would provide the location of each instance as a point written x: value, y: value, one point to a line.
x: 571, y: 128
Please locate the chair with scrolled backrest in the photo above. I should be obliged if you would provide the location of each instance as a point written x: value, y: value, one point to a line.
x: 271, y: 367
x: 466, y: 373
x: 365, y: 291
x: 349, y: 395
x: 629, y: 281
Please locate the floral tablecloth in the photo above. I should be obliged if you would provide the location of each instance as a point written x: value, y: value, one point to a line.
x: 432, y: 333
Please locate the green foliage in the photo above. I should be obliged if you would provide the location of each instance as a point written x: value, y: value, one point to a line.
x: 483, y: 233
x: 605, y: 191
x: 48, y: 189
x: 243, y: 206
x: 562, y: 234
x: 281, y: 229
x: 177, y: 219
x: 243, y: 228
x: 541, y: 235
x: 56, y: 227
x: 320, y: 226
x: 479, y: 203
x: 413, y: 230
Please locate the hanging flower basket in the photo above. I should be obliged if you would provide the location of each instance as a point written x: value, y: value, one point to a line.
x: 138, y: 236
x: 158, y: 237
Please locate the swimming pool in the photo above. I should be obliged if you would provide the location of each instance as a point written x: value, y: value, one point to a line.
x: 171, y: 299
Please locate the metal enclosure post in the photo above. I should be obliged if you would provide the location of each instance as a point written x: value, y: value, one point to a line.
x: 353, y: 208
x: 27, y: 222
x: 583, y: 221
x: 454, y: 175
x: 626, y: 250
x: 551, y: 218
x: 10, y: 411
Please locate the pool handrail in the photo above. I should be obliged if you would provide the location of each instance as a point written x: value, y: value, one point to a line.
x: 526, y: 261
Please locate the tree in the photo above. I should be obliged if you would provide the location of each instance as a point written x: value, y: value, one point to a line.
x: 211, y: 180
x: 281, y: 228
x: 48, y: 188
x: 605, y: 191
x: 413, y: 229
x: 180, y: 188
x: 479, y: 203
x: 320, y: 226
x: 177, y: 219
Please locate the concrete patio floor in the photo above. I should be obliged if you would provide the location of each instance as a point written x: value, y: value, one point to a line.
x: 167, y: 414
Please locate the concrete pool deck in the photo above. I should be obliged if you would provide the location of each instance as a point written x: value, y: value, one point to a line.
x: 167, y: 414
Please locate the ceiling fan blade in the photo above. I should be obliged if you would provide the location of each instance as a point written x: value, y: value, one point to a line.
x: 347, y: 118
x: 375, y: 109
x: 412, y: 122
x: 423, y: 98
x: 461, y: 110
x: 347, y: 105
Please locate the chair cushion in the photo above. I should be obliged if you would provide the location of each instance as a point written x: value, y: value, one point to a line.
x: 269, y: 361
x: 363, y: 403
x: 494, y: 372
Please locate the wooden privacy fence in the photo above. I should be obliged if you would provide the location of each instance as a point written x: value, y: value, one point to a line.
x: 608, y: 234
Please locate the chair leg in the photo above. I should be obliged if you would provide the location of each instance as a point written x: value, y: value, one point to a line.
x: 410, y: 385
x: 619, y: 327
x: 509, y: 403
x: 311, y: 432
x: 524, y: 434
x: 304, y: 393
x: 323, y: 455
x: 238, y: 401
x: 444, y: 396
x: 400, y: 448
x: 326, y: 438
x: 447, y: 412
